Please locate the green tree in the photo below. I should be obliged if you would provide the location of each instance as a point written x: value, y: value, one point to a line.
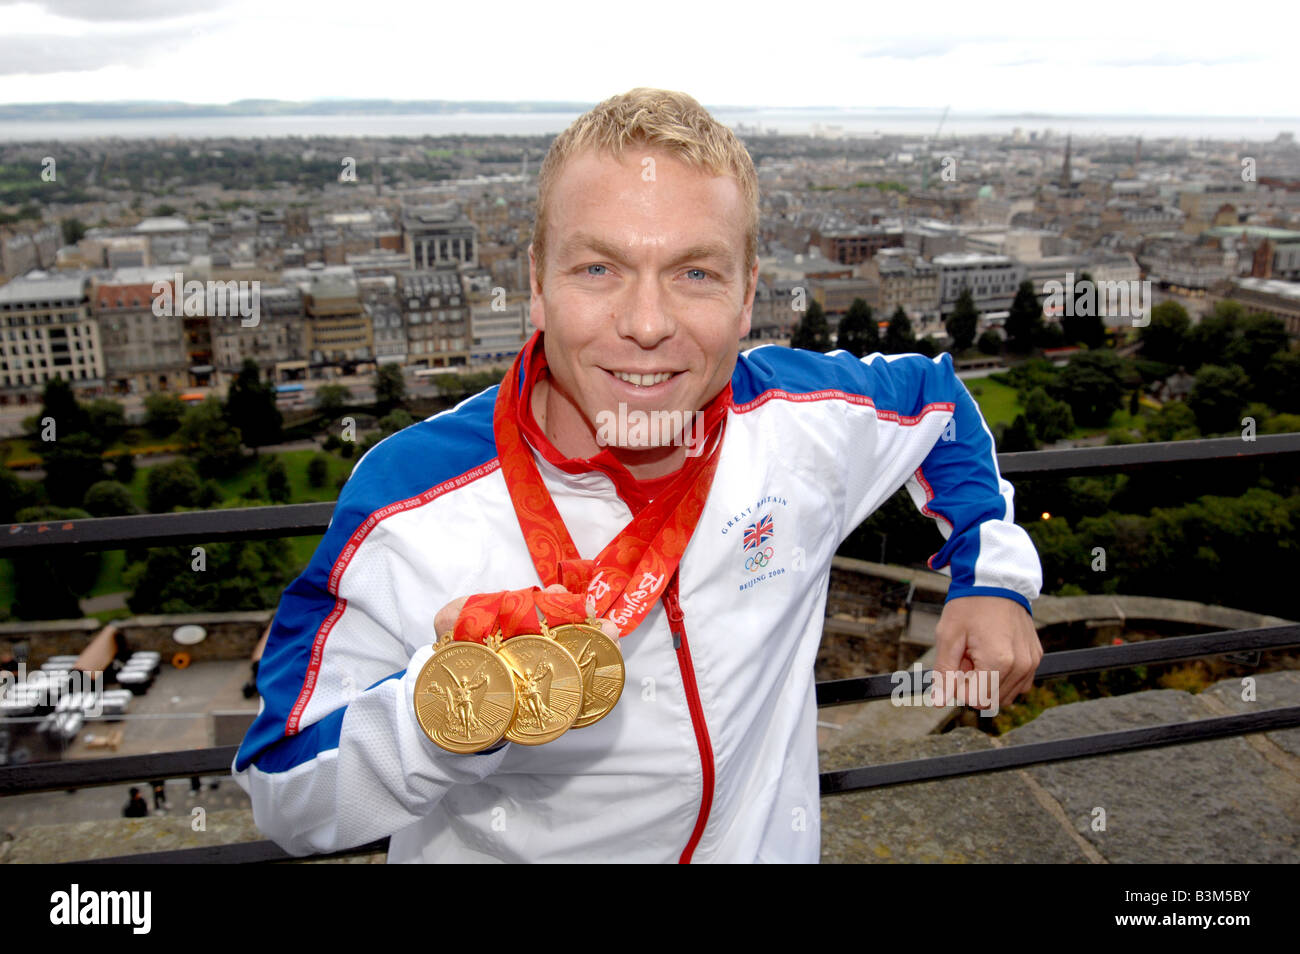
x: 1166, y: 338
x: 1172, y: 422
x: 1018, y: 436
x: 163, y: 412
x: 58, y: 402
x: 124, y: 467
x: 990, y: 342
x: 214, y: 441
x: 1208, y: 340
x: 48, y: 586
x: 106, y: 420
x: 390, y: 386
x: 1030, y: 374
x: 963, y: 322
x: 74, y: 230
x: 1218, y: 397
x: 899, y: 337
x: 318, y: 469
x: 1279, y: 382
x: 395, y: 421
x: 16, y: 494
x: 240, y: 575
x: 1052, y: 420
x: 1049, y: 335
x: 250, y: 407
x: 1258, y: 338
x: 811, y: 332
x: 72, y: 463
x: 209, y: 496
x: 1085, y: 325
x: 1025, y: 320
x: 332, y: 398
x: 857, y: 333
x: 170, y: 485
x: 277, y: 481
x: 928, y: 347
x: 108, y: 498
x: 1092, y: 385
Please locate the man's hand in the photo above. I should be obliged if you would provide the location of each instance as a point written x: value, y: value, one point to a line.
x: 989, y: 633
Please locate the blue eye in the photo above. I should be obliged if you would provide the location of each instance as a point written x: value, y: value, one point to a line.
x: 702, y: 273
x: 590, y: 267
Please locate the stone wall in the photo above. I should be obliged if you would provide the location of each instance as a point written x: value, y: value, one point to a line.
x: 231, y: 636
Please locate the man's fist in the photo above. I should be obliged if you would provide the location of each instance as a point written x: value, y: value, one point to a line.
x: 988, y: 633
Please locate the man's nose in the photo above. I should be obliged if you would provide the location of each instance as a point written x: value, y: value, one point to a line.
x: 644, y: 314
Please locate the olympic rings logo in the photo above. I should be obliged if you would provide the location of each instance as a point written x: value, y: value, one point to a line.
x: 760, y: 559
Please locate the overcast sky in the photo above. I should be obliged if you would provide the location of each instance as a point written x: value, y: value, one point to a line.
x: 1094, y: 57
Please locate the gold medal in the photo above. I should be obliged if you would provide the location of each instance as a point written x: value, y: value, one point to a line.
x: 600, y: 662
x: 465, y: 696
x: 548, y: 684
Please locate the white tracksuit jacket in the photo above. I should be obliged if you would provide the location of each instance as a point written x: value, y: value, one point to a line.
x: 710, y: 754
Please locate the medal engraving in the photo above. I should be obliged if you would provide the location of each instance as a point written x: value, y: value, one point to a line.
x: 465, y: 698
x: 601, y: 664
x: 549, y: 686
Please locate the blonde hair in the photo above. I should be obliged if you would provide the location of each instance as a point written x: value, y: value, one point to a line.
x: 664, y: 118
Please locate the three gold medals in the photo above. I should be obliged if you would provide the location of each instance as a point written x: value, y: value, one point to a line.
x: 529, y: 689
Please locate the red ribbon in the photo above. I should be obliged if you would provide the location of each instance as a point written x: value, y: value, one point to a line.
x: 630, y: 573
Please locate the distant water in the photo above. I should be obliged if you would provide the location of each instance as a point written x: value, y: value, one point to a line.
x: 786, y: 121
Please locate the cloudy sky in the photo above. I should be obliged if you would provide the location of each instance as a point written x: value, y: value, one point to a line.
x: 1094, y: 57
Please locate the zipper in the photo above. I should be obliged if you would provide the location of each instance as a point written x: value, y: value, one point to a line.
x: 677, y: 626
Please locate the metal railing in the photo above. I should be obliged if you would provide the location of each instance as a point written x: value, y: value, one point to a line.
x: 307, y: 519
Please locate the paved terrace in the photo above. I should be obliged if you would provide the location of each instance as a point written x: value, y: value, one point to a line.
x: 1227, y: 800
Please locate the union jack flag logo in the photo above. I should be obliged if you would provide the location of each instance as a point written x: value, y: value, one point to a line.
x: 756, y: 534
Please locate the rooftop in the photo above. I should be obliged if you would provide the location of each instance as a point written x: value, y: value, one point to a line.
x: 1271, y: 286
x: 41, y: 286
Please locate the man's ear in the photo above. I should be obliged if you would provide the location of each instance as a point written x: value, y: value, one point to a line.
x: 747, y: 313
x: 536, y: 307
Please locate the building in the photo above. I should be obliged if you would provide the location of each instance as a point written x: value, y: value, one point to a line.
x: 436, y: 317
x: 903, y: 279
x: 1183, y: 262
x: 1267, y: 296
x: 46, y: 331
x: 439, y: 237
x: 143, y: 352
x: 275, y: 342
x: 854, y: 245
x: 338, y: 335
x: 498, y: 329
x: 24, y: 250
x: 835, y: 295
x: 774, y: 314
x: 801, y: 268
x: 172, y: 240
x: 992, y: 280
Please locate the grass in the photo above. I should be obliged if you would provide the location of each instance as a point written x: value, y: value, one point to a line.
x: 998, y: 402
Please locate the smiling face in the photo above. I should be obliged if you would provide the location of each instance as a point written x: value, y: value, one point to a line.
x: 644, y: 298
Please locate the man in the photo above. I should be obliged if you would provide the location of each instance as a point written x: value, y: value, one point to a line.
x: 135, y: 807
x: 643, y: 268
